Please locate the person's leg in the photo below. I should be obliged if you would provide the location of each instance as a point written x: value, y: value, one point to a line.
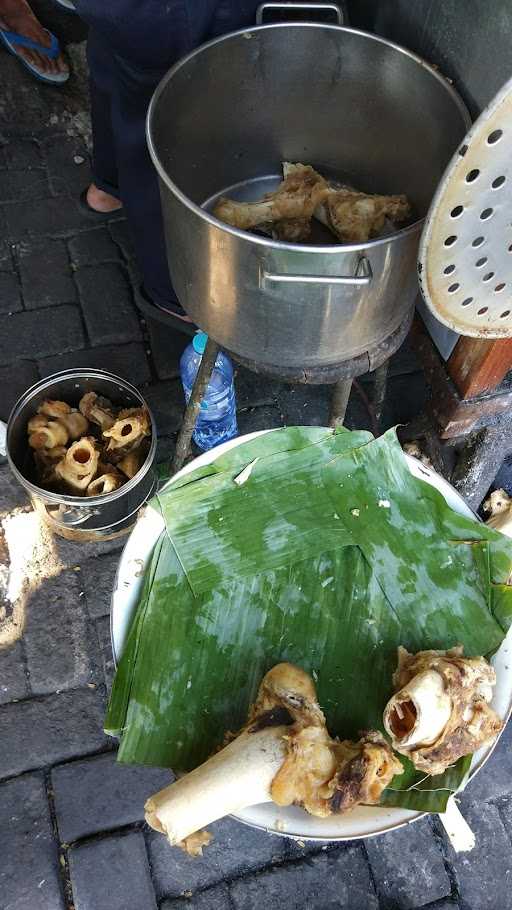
x: 16, y: 16
x: 172, y: 36
x: 103, y: 194
x: 144, y: 41
x: 187, y: 26
x: 138, y: 181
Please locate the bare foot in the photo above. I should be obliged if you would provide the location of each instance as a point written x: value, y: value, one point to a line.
x: 100, y: 201
x: 16, y: 16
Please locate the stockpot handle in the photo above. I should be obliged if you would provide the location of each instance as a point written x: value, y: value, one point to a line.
x: 362, y: 277
x: 310, y: 7
x: 69, y: 517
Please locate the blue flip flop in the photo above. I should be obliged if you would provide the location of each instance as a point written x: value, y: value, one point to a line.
x: 12, y: 40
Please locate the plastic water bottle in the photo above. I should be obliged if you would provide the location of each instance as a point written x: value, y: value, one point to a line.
x: 216, y: 421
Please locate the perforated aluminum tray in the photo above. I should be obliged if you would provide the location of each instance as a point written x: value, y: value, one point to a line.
x: 465, y: 259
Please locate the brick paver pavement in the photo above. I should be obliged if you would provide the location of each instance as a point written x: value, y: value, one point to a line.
x: 71, y: 828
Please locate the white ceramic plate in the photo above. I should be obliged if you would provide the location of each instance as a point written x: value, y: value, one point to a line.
x: 364, y: 821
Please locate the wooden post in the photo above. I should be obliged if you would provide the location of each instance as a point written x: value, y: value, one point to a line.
x: 458, y: 415
x: 477, y: 365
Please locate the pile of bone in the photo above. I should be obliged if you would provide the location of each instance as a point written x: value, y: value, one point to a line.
x: 304, y: 195
x: 91, y: 450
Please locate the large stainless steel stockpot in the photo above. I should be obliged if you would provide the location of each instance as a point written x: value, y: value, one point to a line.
x: 80, y: 518
x: 353, y: 105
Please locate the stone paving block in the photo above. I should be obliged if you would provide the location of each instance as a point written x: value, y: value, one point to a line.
x: 174, y: 872
x: 126, y: 360
x: 120, y: 233
x: 92, y: 247
x: 99, y: 794
x: 67, y: 175
x: 14, y: 380
x: 393, y: 857
x: 56, y: 216
x: 12, y: 494
x: 45, y: 274
x: 20, y: 185
x: 10, y: 293
x: 13, y: 680
x: 22, y: 154
x: 264, y: 418
x: 38, y: 732
x: 243, y: 849
x: 305, y: 405
x: 112, y: 874
x: 253, y: 391
x: 97, y: 579
x: 167, y: 403
x: 327, y: 881
x: 505, y: 809
x: 29, y: 867
x: 56, y: 636
x: 41, y: 333
x: 107, y: 304
x: 495, y: 778
x: 300, y: 849
x: 105, y: 646
x: 6, y: 261
x: 235, y: 850
x: 484, y: 876
x: 167, y: 346
x: 216, y: 898
x: 71, y: 554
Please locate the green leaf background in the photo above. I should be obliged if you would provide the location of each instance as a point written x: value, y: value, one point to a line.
x: 303, y: 562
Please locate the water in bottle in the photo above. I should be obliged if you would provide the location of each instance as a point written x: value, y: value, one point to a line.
x: 216, y: 421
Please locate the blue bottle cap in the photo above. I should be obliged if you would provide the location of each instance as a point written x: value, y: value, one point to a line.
x: 199, y: 342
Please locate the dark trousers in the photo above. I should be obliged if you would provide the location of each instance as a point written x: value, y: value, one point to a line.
x: 132, y: 44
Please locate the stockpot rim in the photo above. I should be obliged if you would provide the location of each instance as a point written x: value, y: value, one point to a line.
x: 268, y: 243
x: 63, y: 498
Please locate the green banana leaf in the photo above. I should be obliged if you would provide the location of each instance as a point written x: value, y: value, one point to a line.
x: 330, y: 555
x: 219, y: 529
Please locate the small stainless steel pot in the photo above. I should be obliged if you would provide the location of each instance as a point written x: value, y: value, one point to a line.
x: 358, y: 108
x: 76, y: 517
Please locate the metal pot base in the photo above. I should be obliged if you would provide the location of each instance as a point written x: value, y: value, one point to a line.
x: 347, y: 369
x: 76, y: 518
x: 77, y: 536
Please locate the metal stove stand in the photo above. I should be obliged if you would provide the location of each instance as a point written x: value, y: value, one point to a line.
x: 340, y: 376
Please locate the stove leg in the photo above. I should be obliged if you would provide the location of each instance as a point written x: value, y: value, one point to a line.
x: 203, y: 377
x: 339, y: 402
x: 379, y: 391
